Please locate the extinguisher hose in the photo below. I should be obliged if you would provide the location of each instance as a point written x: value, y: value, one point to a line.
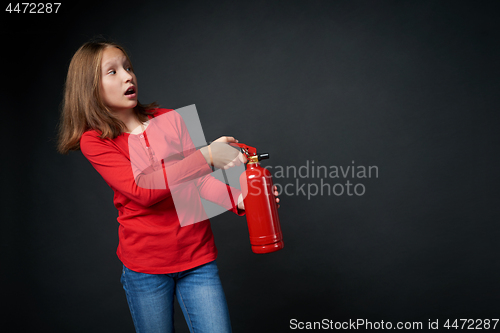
x: 249, y: 151
x: 229, y: 190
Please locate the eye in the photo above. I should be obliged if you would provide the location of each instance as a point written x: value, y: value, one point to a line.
x: 128, y: 69
x: 112, y: 72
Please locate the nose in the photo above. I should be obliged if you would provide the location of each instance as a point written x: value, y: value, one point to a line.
x: 128, y: 76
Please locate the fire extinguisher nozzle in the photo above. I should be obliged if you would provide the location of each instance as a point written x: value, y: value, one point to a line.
x: 263, y: 156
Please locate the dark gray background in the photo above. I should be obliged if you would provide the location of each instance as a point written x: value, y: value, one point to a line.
x: 411, y: 87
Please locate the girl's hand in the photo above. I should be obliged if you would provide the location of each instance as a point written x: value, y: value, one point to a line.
x: 226, y: 139
x: 241, y: 205
x: 276, y: 195
x: 230, y: 139
x: 224, y: 156
x: 240, y: 202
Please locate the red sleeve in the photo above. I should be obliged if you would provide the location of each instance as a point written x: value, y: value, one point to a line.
x: 116, y: 169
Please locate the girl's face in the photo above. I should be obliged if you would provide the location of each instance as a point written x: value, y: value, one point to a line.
x: 118, y: 82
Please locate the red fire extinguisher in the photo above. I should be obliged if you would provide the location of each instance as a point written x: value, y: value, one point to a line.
x: 261, y: 209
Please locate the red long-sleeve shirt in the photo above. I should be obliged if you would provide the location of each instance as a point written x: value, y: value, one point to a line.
x: 151, y: 237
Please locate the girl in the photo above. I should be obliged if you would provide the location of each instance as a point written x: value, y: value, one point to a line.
x: 101, y: 115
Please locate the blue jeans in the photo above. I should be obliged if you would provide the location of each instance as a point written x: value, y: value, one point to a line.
x: 198, y: 290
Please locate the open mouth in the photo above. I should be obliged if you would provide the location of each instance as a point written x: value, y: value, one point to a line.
x: 130, y: 91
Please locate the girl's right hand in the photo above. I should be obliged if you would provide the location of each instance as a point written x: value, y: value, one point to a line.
x: 224, y: 156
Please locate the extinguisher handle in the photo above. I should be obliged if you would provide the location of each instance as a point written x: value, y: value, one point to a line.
x: 249, y: 151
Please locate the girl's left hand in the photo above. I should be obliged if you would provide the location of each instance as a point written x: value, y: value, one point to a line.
x: 242, y: 206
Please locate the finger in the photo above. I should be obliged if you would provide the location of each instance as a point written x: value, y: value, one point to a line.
x: 276, y: 193
x: 221, y: 139
x: 277, y: 200
x: 235, y: 162
x: 226, y: 139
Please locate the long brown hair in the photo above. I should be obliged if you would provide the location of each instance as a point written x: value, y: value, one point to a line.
x: 82, y: 107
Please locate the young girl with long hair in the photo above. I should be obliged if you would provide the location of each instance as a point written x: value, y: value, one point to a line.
x: 161, y: 257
